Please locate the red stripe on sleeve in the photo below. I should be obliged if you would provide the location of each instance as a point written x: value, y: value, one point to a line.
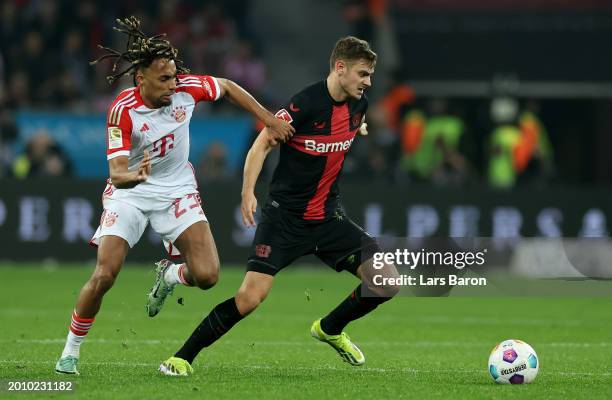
x: 200, y: 87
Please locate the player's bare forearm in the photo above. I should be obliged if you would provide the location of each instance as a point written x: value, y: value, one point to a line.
x: 125, y: 180
x: 240, y: 97
x: 280, y: 130
x: 254, y: 161
x: 252, y: 167
x: 122, y: 178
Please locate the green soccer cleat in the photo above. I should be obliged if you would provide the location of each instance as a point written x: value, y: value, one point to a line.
x: 67, y: 365
x: 175, y: 366
x: 160, y: 290
x: 347, y: 350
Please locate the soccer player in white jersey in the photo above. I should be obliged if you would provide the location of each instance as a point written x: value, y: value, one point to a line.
x: 151, y: 179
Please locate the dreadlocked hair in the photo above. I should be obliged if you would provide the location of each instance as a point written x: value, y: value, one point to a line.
x: 140, y: 50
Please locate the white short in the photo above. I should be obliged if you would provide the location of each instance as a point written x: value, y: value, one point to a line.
x: 169, y: 219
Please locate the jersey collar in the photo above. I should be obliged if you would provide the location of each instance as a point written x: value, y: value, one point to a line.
x: 334, y: 102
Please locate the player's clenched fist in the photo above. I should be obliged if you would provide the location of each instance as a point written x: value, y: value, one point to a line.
x: 363, y: 129
x: 271, y: 139
x: 281, y: 130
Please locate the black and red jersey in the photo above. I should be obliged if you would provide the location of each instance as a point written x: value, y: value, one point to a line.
x: 305, y: 181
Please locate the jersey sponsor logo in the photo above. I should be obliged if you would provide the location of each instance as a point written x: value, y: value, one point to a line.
x: 144, y: 127
x: 293, y: 108
x: 263, y: 250
x: 284, y: 115
x: 162, y: 146
x: 179, y: 113
x: 115, y: 138
x: 332, y: 147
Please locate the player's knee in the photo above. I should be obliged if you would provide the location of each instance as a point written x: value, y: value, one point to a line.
x: 382, y: 292
x: 390, y: 291
x: 206, y: 278
x: 383, y: 284
x: 101, y: 281
x: 248, y: 300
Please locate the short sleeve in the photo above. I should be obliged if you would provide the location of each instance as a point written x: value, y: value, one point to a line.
x: 200, y: 87
x: 118, y: 132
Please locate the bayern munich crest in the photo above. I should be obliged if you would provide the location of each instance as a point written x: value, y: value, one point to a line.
x: 179, y: 113
x: 110, y: 218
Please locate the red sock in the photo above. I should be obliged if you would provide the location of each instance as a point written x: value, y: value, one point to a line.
x: 78, y: 329
x: 79, y: 325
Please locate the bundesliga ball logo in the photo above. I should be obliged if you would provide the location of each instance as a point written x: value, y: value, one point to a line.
x: 514, y: 362
x: 179, y: 113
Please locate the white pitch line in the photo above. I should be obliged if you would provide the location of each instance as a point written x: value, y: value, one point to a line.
x: 53, y: 314
x: 407, y: 343
x: 294, y: 368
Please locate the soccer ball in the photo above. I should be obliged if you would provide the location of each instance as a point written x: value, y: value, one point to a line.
x: 513, y: 361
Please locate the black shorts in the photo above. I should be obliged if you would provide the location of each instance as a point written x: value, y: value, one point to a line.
x: 283, y: 237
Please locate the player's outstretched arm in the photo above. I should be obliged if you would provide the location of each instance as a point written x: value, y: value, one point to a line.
x: 280, y: 130
x: 252, y: 168
x: 122, y: 178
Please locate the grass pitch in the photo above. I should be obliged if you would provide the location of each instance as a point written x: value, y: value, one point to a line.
x: 415, y: 347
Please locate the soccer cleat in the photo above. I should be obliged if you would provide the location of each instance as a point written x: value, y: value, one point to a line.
x: 67, y: 365
x: 347, y: 350
x: 160, y: 290
x: 175, y: 366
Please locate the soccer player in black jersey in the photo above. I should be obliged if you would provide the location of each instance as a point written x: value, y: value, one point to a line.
x: 303, y: 214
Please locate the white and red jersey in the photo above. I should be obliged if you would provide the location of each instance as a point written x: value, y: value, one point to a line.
x: 133, y: 128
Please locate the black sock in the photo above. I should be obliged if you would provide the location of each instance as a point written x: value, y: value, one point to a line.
x: 353, y: 307
x: 220, y: 320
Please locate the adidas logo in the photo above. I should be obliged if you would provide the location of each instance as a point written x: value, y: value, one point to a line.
x: 144, y: 128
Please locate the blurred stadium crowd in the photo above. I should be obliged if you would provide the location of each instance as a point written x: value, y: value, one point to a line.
x: 45, y: 47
